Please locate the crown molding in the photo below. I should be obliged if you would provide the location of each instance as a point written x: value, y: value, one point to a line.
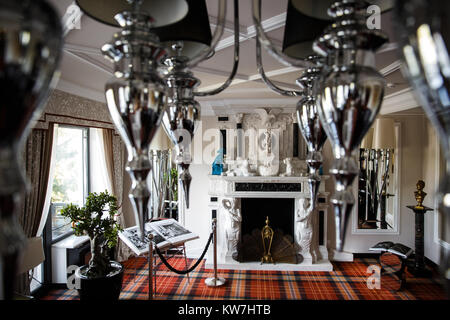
x: 269, y: 24
x: 391, y: 68
x: 399, y: 101
x: 75, y: 89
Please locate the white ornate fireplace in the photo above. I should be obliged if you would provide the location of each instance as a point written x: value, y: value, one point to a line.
x: 226, y: 194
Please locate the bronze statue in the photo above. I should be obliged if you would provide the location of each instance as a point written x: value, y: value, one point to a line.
x: 420, y: 194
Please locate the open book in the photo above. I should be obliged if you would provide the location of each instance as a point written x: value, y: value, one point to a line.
x: 397, y: 248
x: 166, y: 233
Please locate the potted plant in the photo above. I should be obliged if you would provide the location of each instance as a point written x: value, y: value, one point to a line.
x: 102, y: 277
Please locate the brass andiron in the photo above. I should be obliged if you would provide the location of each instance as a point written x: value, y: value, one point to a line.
x: 417, y: 267
x: 267, y: 237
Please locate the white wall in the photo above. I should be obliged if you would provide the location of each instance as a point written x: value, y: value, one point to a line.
x: 418, y: 162
x: 432, y: 165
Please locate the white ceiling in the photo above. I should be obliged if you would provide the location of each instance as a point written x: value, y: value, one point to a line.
x: 84, y: 71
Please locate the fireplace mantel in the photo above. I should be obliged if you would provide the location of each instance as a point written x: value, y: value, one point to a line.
x: 307, y: 224
x: 235, y: 186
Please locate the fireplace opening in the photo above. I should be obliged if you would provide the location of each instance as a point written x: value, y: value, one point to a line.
x: 280, y: 212
x: 281, y: 220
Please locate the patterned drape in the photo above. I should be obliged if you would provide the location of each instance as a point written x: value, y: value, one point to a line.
x: 113, y: 146
x: 37, y: 158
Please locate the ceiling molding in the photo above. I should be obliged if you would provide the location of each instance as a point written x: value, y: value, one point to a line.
x: 216, y: 72
x: 233, y: 106
x: 268, y: 25
x: 93, y: 63
x: 388, y: 47
x: 257, y: 77
x: 399, y: 101
x: 76, y: 48
x: 229, y: 25
x: 395, y: 102
x: 81, y: 91
x: 391, y: 68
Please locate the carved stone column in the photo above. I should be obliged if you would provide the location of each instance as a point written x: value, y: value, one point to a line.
x: 240, y: 154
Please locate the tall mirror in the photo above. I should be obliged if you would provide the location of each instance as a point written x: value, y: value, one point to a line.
x: 378, y: 192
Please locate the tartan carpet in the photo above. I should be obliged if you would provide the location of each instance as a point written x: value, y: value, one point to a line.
x: 348, y: 281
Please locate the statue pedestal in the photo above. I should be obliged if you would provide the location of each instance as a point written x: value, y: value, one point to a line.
x: 417, y: 266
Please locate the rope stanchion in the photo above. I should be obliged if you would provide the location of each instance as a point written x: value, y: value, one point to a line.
x: 215, y: 281
x: 167, y: 264
x: 150, y: 267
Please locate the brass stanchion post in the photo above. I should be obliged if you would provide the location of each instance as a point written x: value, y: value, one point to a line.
x: 215, y: 281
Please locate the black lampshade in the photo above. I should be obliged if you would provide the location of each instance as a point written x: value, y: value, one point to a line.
x: 194, y: 30
x: 318, y: 8
x: 300, y: 32
x: 164, y: 12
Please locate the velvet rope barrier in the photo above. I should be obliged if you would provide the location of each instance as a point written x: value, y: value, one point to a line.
x: 166, y: 263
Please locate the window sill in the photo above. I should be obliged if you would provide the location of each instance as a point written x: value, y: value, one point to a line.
x: 71, y: 242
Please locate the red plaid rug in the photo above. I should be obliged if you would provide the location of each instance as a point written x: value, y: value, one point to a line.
x: 348, y: 281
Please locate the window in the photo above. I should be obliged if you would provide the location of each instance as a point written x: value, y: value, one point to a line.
x: 71, y: 175
x: 79, y: 168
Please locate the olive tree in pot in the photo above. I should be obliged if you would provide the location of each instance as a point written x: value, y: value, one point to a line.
x: 102, y: 277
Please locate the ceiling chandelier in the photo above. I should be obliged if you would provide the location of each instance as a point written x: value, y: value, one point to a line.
x: 350, y: 94
x: 347, y: 94
x: 424, y: 40
x: 299, y: 45
x: 189, y: 43
x: 153, y: 83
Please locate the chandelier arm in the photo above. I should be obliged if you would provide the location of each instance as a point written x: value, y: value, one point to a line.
x: 269, y: 46
x: 266, y: 80
x: 227, y: 83
x: 218, y: 32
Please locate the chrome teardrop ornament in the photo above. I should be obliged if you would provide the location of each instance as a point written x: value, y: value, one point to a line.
x: 181, y: 118
x: 310, y: 127
x: 30, y: 49
x: 349, y: 96
x: 136, y: 100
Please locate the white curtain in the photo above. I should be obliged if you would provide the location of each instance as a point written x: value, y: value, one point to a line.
x: 51, y: 176
x: 99, y: 177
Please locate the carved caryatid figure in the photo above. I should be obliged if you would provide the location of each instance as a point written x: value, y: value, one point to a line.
x: 233, y: 224
x: 304, y: 230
